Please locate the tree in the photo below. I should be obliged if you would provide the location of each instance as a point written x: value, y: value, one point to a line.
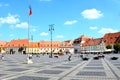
x: 117, y: 47
x: 11, y: 51
x: 20, y: 49
x: 60, y: 51
x: 109, y: 46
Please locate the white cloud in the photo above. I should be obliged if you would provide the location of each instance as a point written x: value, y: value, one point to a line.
x: 10, y: 19
x: 22, y: 25
x: 107, y: 30
x: 43, y: 34
x: 45, y: 0
x: 60, y: 36
x: 93, y: 28
x: 70, y: 22
x: 92, y: 14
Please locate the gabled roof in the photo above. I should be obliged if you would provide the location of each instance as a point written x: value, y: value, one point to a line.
x: 110, y: 38
x: 80, y: 39
x: 18, y: 43
x: 92, y: 42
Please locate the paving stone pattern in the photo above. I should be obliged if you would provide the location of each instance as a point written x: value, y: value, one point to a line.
x: 45, y: 68
x: 50, y: 71
x: 91, y: 73
x: 30, y: 78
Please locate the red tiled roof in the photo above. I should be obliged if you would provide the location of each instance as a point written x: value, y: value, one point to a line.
x: 92, y: 42
x: 18, y: 43
x: 67, y: 44
x: 41, y: 44
x: 2, y: 43
x: 47, y: 44
x: 110, y: 38
x: 81, y: 38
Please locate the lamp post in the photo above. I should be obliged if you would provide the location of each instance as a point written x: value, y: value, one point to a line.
x: 51, y: 28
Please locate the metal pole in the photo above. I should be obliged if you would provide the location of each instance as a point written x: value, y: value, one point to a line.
x: 28, y: 27
x: 51, y: 28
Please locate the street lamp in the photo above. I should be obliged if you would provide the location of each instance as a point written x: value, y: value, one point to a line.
x: 51, y: 28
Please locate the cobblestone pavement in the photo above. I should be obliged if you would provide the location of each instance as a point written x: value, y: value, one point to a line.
x: 13, y: 67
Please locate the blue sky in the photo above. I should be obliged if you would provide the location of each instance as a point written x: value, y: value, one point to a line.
x: 71, y: 18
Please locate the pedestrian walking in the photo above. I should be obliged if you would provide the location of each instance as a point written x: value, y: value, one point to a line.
x: 1, y: 56
x: 69, y: 56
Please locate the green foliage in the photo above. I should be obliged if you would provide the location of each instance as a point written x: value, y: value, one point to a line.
x: 20, y: 49
x: 60, y: 50
x: 117, y: 47
x: 11, y: 50
x: 109, y: 46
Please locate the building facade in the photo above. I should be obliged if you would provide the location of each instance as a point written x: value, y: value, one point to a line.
x: 23, y: 46
x: 82, y: 44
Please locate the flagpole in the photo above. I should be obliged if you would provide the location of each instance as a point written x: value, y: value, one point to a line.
x: 28, y: 27
x: 28, y: 32
x: 29, y: 59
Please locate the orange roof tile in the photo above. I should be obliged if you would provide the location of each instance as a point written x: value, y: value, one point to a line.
x: 92, y: 42
x: 2, y: 43
x: 18, y: 43
x: 81, y: 38
x: 47, y: 44
x: 110, y: 38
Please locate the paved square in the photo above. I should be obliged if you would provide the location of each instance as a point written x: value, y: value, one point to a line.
x: 45, y: 68
x: 62, y: 67
x: 17, y: 69
x: 50, y: 71
x: 91, y: 73
x: 30, y: 78
x: 94, y: 68
x: 2, y: 74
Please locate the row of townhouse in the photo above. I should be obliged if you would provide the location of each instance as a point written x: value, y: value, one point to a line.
x: 93, y: 45
x: 24, y: 46
x: 84, y: 44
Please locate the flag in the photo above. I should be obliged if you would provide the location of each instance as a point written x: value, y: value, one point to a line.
x: 30, y: 11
